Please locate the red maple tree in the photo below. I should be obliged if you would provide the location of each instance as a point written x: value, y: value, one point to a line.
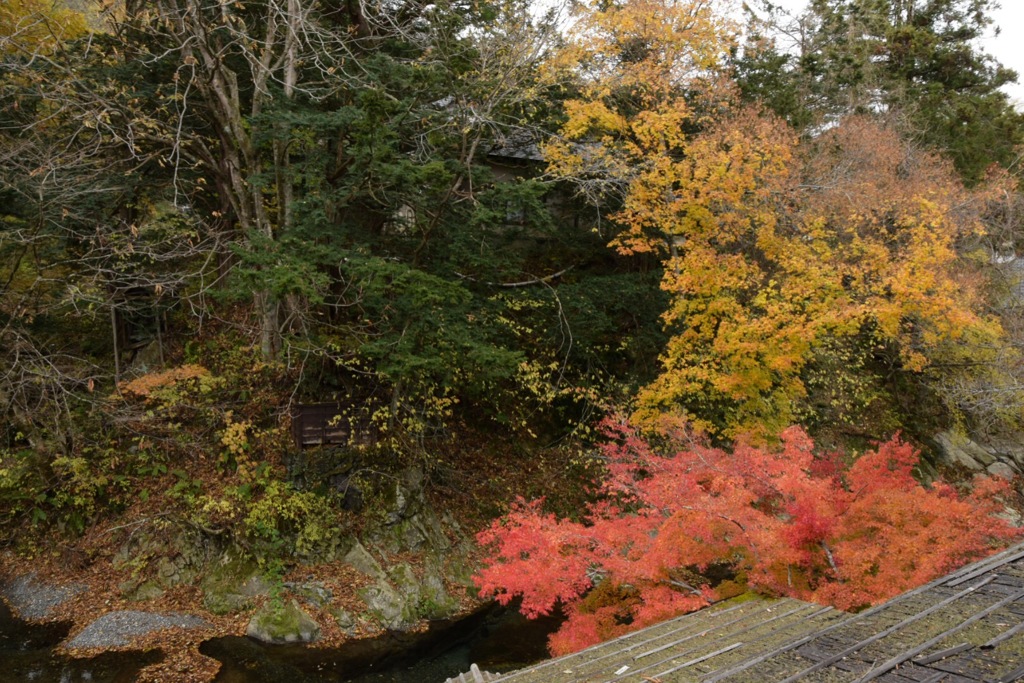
x: 783, y: 521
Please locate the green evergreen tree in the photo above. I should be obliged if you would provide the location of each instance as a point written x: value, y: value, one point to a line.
x: 324, y: 179
x: 919, y: 58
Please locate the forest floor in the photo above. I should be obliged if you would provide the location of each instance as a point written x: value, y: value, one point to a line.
x: 473, y: 492
x: 98, y: 593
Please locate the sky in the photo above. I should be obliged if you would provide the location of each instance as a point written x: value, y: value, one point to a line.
x: 1007, y: 47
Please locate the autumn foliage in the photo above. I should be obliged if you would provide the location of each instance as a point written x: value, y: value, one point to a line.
x: 686, y: 524
x: 790, y: 261
x: 786, y: 260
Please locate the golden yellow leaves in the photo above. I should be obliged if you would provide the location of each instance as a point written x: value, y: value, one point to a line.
x: 653, y: 47
x: 591, y: 119
x: 661, y: 130
x: 235, y: 437
x: 633, y: 62
x: 775, y: 249
x: 772, y: 269
x: 38, y: 25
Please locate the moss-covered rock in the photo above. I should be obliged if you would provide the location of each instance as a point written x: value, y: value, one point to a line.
x: 157, y: 561
x: 232, y: 583
x: 141, y: 591
x: 279, y: 624
x: 435, y: 601
x: 313, y: 593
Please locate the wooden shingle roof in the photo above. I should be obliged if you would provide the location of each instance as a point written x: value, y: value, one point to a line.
x: 965, y: 627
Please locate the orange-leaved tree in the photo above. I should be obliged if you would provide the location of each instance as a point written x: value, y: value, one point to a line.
x: 781, y: 520
x: 816, y: 273
x: 656, y: 133
x: 807, y: 278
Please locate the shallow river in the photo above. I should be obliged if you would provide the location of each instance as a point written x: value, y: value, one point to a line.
x: 27, y: 654
x: 495, y: 639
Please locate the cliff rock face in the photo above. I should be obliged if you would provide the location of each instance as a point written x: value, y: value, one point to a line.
x: 1001, y: 458
x: 409, y: 559
x: 402, y: 594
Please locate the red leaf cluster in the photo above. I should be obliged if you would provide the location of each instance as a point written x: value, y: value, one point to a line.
x: 780, y: 520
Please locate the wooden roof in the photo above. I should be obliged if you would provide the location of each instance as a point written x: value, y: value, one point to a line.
x: 965, y: 627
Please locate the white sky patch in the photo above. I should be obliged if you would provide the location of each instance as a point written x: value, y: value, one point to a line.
x: 1008, y: 46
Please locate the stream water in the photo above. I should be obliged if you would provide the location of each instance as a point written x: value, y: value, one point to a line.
x: 27, y: 654
x: 496, y: 639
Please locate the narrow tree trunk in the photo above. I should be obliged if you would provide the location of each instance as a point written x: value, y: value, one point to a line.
x: 117, y: 347
x: 160, y: 336
x: 270, y: 332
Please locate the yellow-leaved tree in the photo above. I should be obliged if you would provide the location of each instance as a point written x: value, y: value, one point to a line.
x: 28, y: 27
x: 804, y: 276
x: 819, y: 278
x: 647, y: 72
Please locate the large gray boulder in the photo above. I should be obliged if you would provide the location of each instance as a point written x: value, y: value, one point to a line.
x: 957, y: 449
x: 362, y: 561
x: 1001, y: 459
x: 391, y: 609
